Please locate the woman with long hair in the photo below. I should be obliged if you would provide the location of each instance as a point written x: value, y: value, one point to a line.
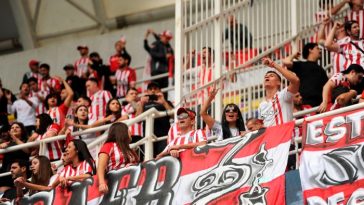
x: 42, y: 176
x: 113, y: 114
x: 232, y: 122
x: 115, y: 153
x: 46, y: 128
x: 18, y: 135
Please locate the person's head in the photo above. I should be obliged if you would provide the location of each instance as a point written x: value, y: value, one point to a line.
x: 124, y: 60
x: 352, y: 29
x: 231, y: 118
x: 340, y: 32
x: 84, y: 100
x: 81, y: 114
x: 33, y: 84
x: 92, y: 85
x: 297, y: 99
x: 77, y: 151
x: 41, y: 170
x: 253, y: 124
x: 311, y: 51
x: 356, y: 5
x: 19, y: 168
x: 17, y: 129
x: 207, y: 55
x: 231, y: 20
x: 65, y: 159
x: 119, y: 133
x: 95, y: 57
x: 42, y: 122
x: 186, y: 118
x: 118, y: 46
x: 44, y: 69
x: 166, y: 36
x: 83, y: 49
x: 69, y: 69
x: 63, y: 93
x: 52, y: 100
x: 24, y: 89
x: 4, y: 133
x: 113, y: 107
x: 354, y: 73
x: 34, y: 66
x: 153, y: 88
x: 272, y: 80
x: 131, y: 95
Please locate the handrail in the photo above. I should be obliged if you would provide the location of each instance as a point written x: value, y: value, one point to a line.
x: 141, y: 117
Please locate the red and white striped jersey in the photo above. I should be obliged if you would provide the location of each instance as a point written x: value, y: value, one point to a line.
x: 340, y: 79
x: 83, y: 168
x: 98, y: 104
x: 45, y: 85
x: 193, y: 136
x: 116, y: 157
x: 124, y: 77
x: 350, y: 52
x: 338, y: 59
x: 359, y: 17
x: 277, y: 111
x: 41, y: 107
x: 54, y: 149
x: 136, y: 128
x: 81, y: 66
x: 58, y: 114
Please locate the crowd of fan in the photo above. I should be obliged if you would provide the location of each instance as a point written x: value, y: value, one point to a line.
x: 49, y: 106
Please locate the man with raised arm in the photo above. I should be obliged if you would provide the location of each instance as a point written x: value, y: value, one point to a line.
x: 277, y: 108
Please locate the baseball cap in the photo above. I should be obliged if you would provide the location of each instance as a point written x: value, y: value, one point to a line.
x: 191, y: 113
x: 81, y: 47
x: 33, y: 62
x: 167, y: 34
x: 355, y: 67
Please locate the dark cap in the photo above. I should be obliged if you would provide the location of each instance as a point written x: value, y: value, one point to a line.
x: 355, y: 67
x: 153, y: 84
x: 191, y: 113
x: 81, y: 47
x: 68, y: 67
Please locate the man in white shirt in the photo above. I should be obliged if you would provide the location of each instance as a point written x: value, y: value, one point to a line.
x: 277, y: 108
x: 24, y: 107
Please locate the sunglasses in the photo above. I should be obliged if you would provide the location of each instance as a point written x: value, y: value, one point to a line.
x: 231, y: 108
x: 182, y: 116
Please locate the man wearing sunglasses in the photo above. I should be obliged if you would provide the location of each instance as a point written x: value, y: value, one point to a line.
x: 277, y: 108
x: 337, y: 91
x: 183, y: 135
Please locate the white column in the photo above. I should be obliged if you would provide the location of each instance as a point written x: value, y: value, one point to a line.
x: 294, y: 24
x: 178, y: 48
x: 218, y: 30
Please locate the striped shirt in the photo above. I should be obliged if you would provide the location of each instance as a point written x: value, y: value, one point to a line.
x: 41, y: 107
x: 359, y: 17
x: 124, y: 77
x: 58, y: 114
x: 81, y: 66
x: 116, y: 157
x: 350, y: 52
x: 54, y: 149
x: 338, y: 59
x: 83, y: 168
x: 193, y: 136
x: 136, y: 128
x: 46, y: 84
x: 277, y: 111
x: 98, y: 104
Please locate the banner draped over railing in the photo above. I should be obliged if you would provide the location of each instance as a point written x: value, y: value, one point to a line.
x: 243, y: 170
x: 332, y: 161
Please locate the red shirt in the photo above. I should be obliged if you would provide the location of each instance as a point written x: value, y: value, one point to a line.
x: 58, y: 114
x: 83, y: 168
x: 124, y: 77
x: 54, y: 149
x: 116, y: 157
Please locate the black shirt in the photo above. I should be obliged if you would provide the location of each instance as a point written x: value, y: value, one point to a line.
x: 312, y: 80
x: 162, y: 124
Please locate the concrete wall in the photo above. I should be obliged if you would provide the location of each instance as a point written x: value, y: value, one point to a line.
x: 63, y: 51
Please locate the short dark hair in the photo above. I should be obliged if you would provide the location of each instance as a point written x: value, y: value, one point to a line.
x: 131, y: 89
x: 125, y: 56
x: 45, y: 65
x: 21, y: 163
x: 23, y: 83
x: 85, y: 98
x: 306, y: 49
x: 348, y: 25
x: 32, y: 79
x: 354, y: 67
x: 94, y: 54
x: 93, y: 80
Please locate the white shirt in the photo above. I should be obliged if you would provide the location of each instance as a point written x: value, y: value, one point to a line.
x: 25, y: 112
x: 277, y: 111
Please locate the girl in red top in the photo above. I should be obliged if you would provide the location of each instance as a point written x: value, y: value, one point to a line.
x: 115, y: 153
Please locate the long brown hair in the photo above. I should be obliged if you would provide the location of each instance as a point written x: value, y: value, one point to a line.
x: 119, y: 133
x: 44, y: 173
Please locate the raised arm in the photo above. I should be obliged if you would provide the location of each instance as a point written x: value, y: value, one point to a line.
x: 336, y: 8
x: 70, y: 93
x: 288, y: 61
x: 203, y: 113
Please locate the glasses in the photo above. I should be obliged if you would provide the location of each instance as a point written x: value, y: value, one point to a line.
x: 231, y: 108
x: 182, y: 116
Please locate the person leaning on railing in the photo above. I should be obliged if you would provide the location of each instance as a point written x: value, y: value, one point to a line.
x: 232, y: 122
x: 18, y: 136
x: 115, y: 153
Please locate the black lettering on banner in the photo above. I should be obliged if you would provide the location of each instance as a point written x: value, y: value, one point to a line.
x: 116, y: 196
x: 159, y: 193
